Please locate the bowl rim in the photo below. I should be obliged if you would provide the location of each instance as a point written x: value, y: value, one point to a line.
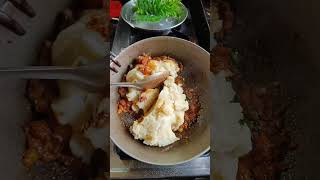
x: 126, y: 5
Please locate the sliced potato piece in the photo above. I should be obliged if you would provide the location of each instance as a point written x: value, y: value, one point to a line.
x: 147, y: 99
x: 133, y: 94
x: 134, y: 75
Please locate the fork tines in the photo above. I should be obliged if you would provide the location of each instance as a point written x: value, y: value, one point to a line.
x: 11, y: 23
x: 113, y: 61
x: 23, y: 6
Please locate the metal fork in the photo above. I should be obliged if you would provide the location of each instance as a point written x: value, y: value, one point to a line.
x: 93, y: 75
x: 10, y: 23
x: 113, y: 61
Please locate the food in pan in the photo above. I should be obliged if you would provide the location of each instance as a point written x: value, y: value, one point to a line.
x: 69, y: 124
x: 160, y: 113
x: 266, y: 108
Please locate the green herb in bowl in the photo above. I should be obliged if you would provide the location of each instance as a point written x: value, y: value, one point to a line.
x: 157, y: 10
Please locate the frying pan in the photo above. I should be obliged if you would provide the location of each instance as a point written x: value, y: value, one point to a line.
x: 196, y: 72
x: 286, y: 34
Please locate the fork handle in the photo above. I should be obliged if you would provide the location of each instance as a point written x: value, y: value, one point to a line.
x: 126, y: 84
x: 38, y: 72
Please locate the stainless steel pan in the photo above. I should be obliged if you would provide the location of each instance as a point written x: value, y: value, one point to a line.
x: 196, y: 68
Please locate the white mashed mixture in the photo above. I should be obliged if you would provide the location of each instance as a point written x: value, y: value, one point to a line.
x: 78, y: 44
x: 230, y: 140
x: 163, y: 111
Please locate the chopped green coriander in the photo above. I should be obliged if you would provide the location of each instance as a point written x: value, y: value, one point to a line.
x: 156, y: 10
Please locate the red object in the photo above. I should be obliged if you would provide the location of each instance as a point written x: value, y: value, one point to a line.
x: 115, y: 8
